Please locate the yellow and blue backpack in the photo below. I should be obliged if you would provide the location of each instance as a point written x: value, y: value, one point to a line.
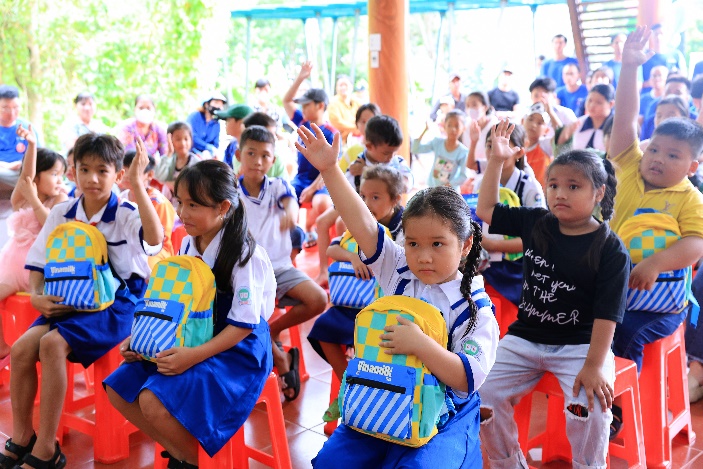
x: 177, y: 309
x: 346, y: 289
x: 393, y: 397
x: 647, y: 232
x: 77, y: 267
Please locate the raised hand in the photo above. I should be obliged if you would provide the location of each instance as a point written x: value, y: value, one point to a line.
x: 500, y: 141
x: 170, y: 151
x: 315, y: 148
x: 305, y: 70
x: 635, y: 49
x: 27, y: 134
x: 139, y: 163
x: 474, y: 131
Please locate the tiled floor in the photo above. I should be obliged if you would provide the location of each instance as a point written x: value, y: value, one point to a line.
x: 304, y: 424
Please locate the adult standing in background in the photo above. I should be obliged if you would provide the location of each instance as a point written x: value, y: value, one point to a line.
x: 262, y: 102
x: 617, y: 41
x: 552, y: 67
x: 455, y: 93
x: 144, y: 124
x: 83, y: 122
x: 343, y: 106
x: 205, y: 126
x: 12, y: 147
x: 504, y: 98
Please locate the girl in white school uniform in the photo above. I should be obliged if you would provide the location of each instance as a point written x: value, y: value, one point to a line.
x: 202, y: 395
x: 439, y: 234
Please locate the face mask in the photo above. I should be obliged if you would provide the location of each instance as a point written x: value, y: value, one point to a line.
x: 473, y: 113
x: 144, y: 116
x: 212, y: 109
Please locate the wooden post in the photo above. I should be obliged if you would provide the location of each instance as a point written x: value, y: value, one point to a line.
x: 388, y: 77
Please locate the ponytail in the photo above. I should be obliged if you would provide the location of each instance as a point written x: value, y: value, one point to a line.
x: 236, y: 247
x: 470, y: 270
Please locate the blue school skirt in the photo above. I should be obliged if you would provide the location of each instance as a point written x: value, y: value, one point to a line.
x: 92, y: 334
x: 506, y: 278
x: 456, y: 446
x: 335, y: 326
x: 212, y: 399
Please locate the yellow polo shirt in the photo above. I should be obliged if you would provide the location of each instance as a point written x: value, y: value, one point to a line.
x: 682, y: 201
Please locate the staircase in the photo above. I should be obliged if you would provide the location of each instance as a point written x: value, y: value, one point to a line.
x: 593, y: 23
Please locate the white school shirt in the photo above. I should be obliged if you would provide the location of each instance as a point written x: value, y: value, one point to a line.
x: 253, y: 285
x: 118, y: 221
x: 531, y: 195
x: 264, y: 215
x: 396, y: 162
x: 478, y: 349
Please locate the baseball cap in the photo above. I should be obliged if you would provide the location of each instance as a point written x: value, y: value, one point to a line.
x: 236, y: 111
x: 538, y: 108
x: 261, y: 82
x: 317, y: 95
x: 454, y: 76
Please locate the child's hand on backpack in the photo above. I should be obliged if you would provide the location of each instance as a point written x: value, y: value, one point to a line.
x: 139, y: 163
x: 596, y: 385
x: 403, y: 338
x: 500, y: 142
x: 27, y: 134
x: 644, y: 274
x: 128, y: 354
x: 48, y: 305
x: 175, y: 361
x: 315, y: 148
x: 635, y: 49
x: 361, y: 270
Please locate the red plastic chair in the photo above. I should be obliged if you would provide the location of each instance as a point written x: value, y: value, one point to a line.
x: 506, y: 311
x: 17, y: 315
x: 663, y: 375
x: 630, y: 445
x: 177, y: 237
x: 236, y: 454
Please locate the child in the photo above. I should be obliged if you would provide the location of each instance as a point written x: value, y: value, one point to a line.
x: 504, y: 274
x: 272, y: 210
x: 278, y: 170
x: 62, y: 332
x: 180, y: 154
x: 478, y: 108
x: 587, y: 131
x: 381, y: 189
x: 449, y: 167
x: 538, y: 152
x: 164, y: 208
x: 234, y: 126
x: 657, y: 180
x: 202, y: 395
x: 439, y: 234
x: 575, y: 276
x: 38, y: 189
x: 307, y: 183
x: 667, y: 107
x: 330, y: 216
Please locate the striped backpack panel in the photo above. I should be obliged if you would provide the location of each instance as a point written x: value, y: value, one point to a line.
x: 346, y: 289
x: 177, y: 309
x: 77, y: 267
x: 644, y: 234
x: 393, y: 397
x: 510, y: 198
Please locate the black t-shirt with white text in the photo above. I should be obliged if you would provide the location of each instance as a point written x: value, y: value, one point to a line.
x: 562, y: 295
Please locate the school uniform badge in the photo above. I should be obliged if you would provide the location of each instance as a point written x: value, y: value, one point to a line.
x: 244, y: 296
x: 471, y: 348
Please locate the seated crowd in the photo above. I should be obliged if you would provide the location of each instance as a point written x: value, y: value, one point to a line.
x: 535, y: 206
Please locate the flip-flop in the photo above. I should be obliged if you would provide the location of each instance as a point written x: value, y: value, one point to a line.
x: 616, y: 424
x: 292, y: 378
x: 332, y: 413
x: 310, y: 240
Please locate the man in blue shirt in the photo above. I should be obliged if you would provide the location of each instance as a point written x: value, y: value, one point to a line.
x: 12, y: 147
x: 552, y: 68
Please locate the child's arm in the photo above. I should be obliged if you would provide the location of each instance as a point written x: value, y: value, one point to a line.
x: 151, y: 225
x: 553, y: 117
x: 288, y: 103
x: 408, y: 339
x: 290, y: 213
x: 683, y: 253
x: 359, y: 220
x: 627, y: 100
x: 47, y: 305
x: 489, y: 195
x: 591, y: 375
x: 417, y: 146
x: 474, y: 135
x: 29, y: 167
x: 502, y: 245
x: 176, y: 360
x: 338, y: 253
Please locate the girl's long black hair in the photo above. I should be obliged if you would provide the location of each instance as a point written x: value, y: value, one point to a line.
x: 209, y: 183
x: 447, y: 204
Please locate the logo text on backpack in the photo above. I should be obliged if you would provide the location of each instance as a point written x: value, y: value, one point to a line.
x: 70, y: 269
x: 383, y: 370
x: 155, y: 304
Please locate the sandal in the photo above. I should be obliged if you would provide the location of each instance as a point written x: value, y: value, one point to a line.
x: 174, y: 463
x: 291, y: 380
x: 616, y: 424
x: 8, y: 462
x: 57, y: 461
x: 310, y: 240
x: 332, y: 413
